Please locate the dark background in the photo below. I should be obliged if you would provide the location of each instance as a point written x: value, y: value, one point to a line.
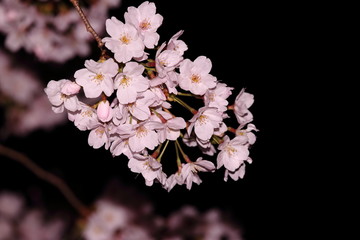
x: 257, y: 46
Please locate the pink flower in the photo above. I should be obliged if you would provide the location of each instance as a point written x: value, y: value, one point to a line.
x: 190, y: 171
x: 195, y: 77
x: 217, y: 97
x: 144, y: 137
x: 166, y: 61
x: 146, y: 21
x: 204, y: 122
x: 243, y: 102
x: 233, y: 153
x: 177, y: 45
x: 99, y: 136
x: 235, y: 175
x: 148, y: 167
x: 130, y: 82
x: 97, y: 77
x: 140, y: 108
x: 171, y: 128
x: 124, y: 40
x: 85, y: 118
x: 70, y: 88
x: 59, y: 100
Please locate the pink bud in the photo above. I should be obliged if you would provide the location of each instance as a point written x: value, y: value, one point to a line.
x: 70, y: 88
x: 104, y: 111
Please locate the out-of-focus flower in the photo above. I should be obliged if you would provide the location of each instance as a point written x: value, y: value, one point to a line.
x: 11, y: 205
x: 51, y: 30
x: 23, y: 100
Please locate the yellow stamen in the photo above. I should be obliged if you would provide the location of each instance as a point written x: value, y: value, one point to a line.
x: 145, y: 25
x: 195, y: 78
x: 125, y: 39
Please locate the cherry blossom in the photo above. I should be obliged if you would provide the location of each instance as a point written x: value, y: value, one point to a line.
x: 217, y: 97
x: 146, y: 21
x: 58, y: 99
x: 195, y: 76
x: 190, y: 171
x: 204, y: 122
x: 149, y: 168
x: 242, y: 104
x: 84, y: 118
x: 124, y: 40
x: 104, y: 111
x: 144, y: 137
x: 97, y: 77
x: 177, y: 45
x: 130, y: 82
x: 233, y: 153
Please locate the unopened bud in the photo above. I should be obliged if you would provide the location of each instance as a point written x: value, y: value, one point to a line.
x: 70, y: 88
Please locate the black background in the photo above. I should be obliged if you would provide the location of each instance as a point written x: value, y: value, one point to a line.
x: 260, y: 46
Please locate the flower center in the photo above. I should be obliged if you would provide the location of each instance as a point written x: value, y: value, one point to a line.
x: 125, y: 81
x: 125, y: 39
x: 145, y: 25
x: 141, y: 132
x: 230, y: 150
x: 202, y: 119
x: 195, y: 78
x: 100, y: 131
x: 98, y: 78
x: 87, y: 113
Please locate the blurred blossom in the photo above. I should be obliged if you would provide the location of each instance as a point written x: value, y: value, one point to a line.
x: 23, y: 100
x: 20, y: 222
x: 117, y: 218
x: 51, y: 30
x: 11, y: 205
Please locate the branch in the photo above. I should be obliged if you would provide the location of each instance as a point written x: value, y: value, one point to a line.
x: 88, y: 26
x: 48, y: 177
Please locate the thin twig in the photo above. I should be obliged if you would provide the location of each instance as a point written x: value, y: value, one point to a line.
x: 49, y: 177
x: 88, y: 26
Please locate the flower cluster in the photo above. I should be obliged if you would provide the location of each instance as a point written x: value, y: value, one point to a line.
x: 18, y: 221
x: 131, y: 96
x: 113, y: 221
x: 129, y: 215
x: 52, y: 30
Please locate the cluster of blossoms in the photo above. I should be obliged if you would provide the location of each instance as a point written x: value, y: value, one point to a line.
x: 51, y: 29
x: 20, y: 222
x: 131, y: 96
x: 128, y: 215
x: 115, y: 221
x: 22, y: 100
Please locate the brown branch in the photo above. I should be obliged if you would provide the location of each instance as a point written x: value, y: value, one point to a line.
x: 88, y: 26
x: 48, y: 177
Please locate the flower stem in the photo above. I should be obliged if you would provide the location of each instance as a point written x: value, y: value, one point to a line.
x: 182, y: 103
x: 178, y: 160
x: 162, y: 152
x: 47, y: 176
x: 186, y: 158
x: 88, y: 26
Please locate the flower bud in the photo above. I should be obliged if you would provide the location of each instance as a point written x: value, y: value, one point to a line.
x: 104, y: 111
x: 70, y: 88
